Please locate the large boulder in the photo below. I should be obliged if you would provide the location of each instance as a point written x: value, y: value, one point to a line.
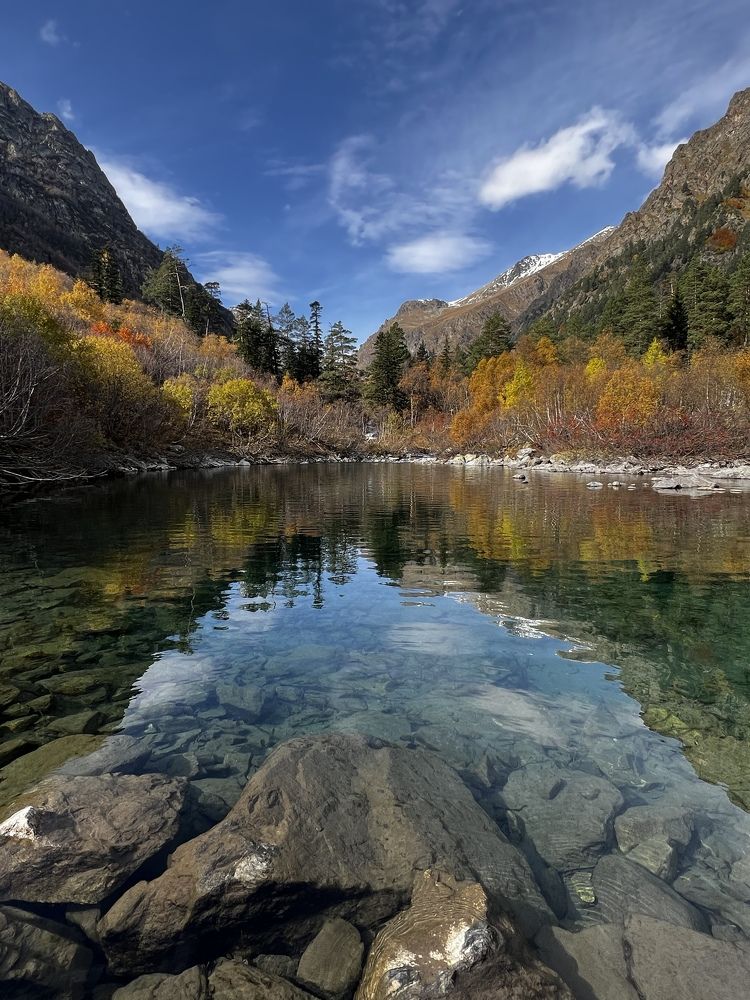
x: 623, y: 888
x: 568, y: 814
x: 191, y: 984
x: 592, y: 962
x: 329, y: 825
x: 666, y: 962
x: 232, y: 980
x: 40, y: 958
x: 332, y: 962
x: 76, y: 839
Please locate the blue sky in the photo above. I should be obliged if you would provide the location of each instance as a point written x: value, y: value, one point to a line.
x: 366, y: 151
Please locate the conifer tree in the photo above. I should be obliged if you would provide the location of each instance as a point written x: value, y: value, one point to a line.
x: 105, y: 276
x: 338, y: 377
x: 422, y: 356
x: 640, y: 315
x: 166, y: 286
x: 706, y: 293
x: 303, y: 365
x: 675, y: 326
x: 386, y: 368
x: 249, y: 334
x: 739, y: 300
x: 494, y: 340
x: 287, y: 339
x: 315, y: 352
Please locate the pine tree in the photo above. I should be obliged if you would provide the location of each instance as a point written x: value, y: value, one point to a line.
x: 315, y: 352
x: 739, y: 300
x: 445, y: 361
x: 303, y: 361
x: 494, y: 340
x: 675, y: 324
x: 640, y: 318
x: 287, y: 337
x: 422, y: 356
x: 339, y: 377
x: 706, y: 293
x: 105, y: 276
x: 386, y: 368
x: 167, y: 285
x: 202, y: 306
x: 249, y: 334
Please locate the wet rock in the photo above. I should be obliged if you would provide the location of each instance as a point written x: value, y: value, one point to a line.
x: 40, y: 958
x: 188, y: 985
x: 8, y: 695
x: 119, y: 753
x: 334, y: 824
x: 666, y: 962
x: 278, y: 965
x: 85, y: 918
x: 29, y: 769
x: 12, y: 749
x: 623, y: 887
x: 233, y: 980
x: 75, y: 839
x: 445, y: 931
x: 244, y: 700
x: 686, y: 481
x: 592, y: 962
x: 72, y: 725
x: 331, y: 963
x: 568, y: 814
x: 654, y: 836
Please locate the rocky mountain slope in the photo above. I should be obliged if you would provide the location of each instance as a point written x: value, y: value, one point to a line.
x: 56, y: 204
x: 699, y: 170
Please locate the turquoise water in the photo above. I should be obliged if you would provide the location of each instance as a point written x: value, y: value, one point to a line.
x: 186, y: 623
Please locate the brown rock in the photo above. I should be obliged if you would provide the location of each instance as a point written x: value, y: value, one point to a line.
x: 40, y: 958
x: 331, y: 963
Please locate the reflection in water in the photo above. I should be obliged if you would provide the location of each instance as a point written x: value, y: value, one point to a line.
x: 190, y: 622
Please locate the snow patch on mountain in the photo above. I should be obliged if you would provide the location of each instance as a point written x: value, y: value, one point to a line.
x: 529, y: 265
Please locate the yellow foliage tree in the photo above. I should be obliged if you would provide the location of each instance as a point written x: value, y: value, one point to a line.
x: 239, y: 405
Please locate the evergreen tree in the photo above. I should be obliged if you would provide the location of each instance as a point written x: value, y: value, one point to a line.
x: 303, y: 361
x: 675, y: 325
x: 287, y: 338
x: 105, y: 276
x: 166, y: 286
x: 386, y: 368
x: 739, y: 300
x: 249, y: 334
x: 640, y: 317
x: 315, y: 352
x: 494, y: 339
x: 706, y: 292
x: 339, y: 377
x: 445, y: 361
x: 422, y: 356
x: 202, y: 306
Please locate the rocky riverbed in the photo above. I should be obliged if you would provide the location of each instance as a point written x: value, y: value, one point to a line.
x: 354, y: 867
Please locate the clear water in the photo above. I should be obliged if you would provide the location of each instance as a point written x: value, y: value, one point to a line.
x: 188, y: 622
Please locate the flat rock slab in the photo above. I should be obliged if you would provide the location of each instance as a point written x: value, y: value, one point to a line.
x: 567, y: 813
x: 331, y: 963
x: 592, y: 962
x: 75, y: 839
x: 29, y: 769
x: 334, y: 825
x: 40, y: 958
x: 666, y: 962
x: 623, y: 888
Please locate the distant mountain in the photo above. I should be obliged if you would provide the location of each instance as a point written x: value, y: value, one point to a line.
x: 701, y: 206
x: 512, y: 293
x: 56, y: 204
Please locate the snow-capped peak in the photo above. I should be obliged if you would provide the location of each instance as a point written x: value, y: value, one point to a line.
x: 529, y: 265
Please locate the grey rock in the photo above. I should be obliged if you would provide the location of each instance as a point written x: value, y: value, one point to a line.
x: 623, y: 888
x: 331, y: 963
x: 85, y: 918
x: 688, y: 481
x: 278, y: 965
x: 75, y: 839
x: 40, y: 958
x: 232, y: 980
x: 335, y: 823
x: 188, y: 985
x: 244, y: 700
x: 568, y: 814
x: 592, y: 962
x: 654, y: 836
x: 81, y: 722
x: 666, y: 962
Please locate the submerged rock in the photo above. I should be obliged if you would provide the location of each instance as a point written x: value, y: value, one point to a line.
x: 331, y: 963
x: 666, y: 962
x: 623, y: 888
x: 592, y: 962
x: 29, y: 769
x: 568, y: 814
x: 75, y: 839
x: 335, y: 824
x: 40, y: 958
x: 654, y: 836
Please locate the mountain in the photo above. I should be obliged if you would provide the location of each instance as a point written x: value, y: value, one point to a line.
x: 512, y: 293
x: 56, y: 204
x: 701, y: 207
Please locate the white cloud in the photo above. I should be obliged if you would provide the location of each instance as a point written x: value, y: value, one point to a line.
x: 50, y: 33
x: 66, y: 110
x: 241, y: 275
x: 296, y: 175
x: 437, y: 253
x: 653, y: 159
x: 156, y: 207
x: 708, y: 97
x: 580, y: 154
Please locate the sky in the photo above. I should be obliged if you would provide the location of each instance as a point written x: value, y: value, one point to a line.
x: 363, y: 152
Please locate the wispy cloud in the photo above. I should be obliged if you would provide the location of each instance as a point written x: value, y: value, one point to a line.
x: 66, y: 110
x: 580, y: 154
x: 437, y: 253
x: 653, y: 159
x: 296, y: 176
x: 408, y: 26
x: 156, y: 207
x: 240, y: 274
x: 50, y: 33
x: 707, y: 97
